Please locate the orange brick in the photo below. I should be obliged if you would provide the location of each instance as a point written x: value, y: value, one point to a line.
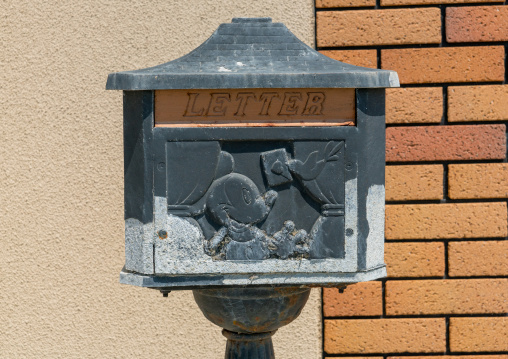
x: 385, y: 336
x: 478, y: 258
x: 457, y: 220
x: 412, y: 259
x: 430, y: 2
x: 479, y: 334
x: 478, y: 103
x: 456, y: 296
x: 360, y: 299
x: 412, y: 183
x: 442, y: 143
x: 451, y: 357
x: 365, y: 58
x: 344, y: 3
x: 378, y: 27
x: 414, y: 105
x: 477, y: 23
x: 446, y: 64
x: 478, y: 180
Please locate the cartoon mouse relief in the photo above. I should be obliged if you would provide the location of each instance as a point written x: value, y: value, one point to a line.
x: 234, y: 202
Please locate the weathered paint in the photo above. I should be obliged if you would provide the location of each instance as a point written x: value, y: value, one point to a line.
x: 139, y: 246
x: 376, y: 220
x: 182, y: 251
x: 351, y: 220
x: 306, y: 279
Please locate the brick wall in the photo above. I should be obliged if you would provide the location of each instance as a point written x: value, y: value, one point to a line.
x: 446, y: 295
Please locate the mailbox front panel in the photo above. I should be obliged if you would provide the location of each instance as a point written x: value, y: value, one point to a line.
x: 267, y: 206
x: 263, y: 204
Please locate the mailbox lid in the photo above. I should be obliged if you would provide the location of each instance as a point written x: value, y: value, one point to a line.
x: 252, y: 53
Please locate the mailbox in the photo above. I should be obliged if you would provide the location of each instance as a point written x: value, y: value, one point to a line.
x: 253, y: 160
x: 254, y: 169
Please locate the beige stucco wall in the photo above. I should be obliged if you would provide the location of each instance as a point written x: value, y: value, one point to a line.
x: 61, y: 198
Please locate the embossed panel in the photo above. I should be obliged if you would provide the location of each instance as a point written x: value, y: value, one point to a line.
x: 259, y: 200
x: 255, y: 107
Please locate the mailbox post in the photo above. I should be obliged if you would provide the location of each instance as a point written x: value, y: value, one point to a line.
x: 254, y: 170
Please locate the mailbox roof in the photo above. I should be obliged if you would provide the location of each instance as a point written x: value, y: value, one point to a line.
x: 252, y: 53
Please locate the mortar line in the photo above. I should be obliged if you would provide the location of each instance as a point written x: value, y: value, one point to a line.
x: 383, y: 296
x: 442, y: 9
x: 447, y: 334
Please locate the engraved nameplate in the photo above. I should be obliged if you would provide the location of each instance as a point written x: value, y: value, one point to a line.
x: 254, y: 107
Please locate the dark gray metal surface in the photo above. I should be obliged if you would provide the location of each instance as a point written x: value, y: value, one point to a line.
x: 137, y: 144
x: 252, y: 53
x: 249, y: 346
x: 250, y: 316
x: 370, y: 111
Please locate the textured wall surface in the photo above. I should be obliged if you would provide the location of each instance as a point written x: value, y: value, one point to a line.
x: 61, y: 221
x: 446, y: 295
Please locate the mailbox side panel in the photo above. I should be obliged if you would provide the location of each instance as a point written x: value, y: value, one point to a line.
x: 138, y: 179
x: 371, y: 177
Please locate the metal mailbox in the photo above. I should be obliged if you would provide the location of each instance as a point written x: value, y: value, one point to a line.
x: 253, y: 160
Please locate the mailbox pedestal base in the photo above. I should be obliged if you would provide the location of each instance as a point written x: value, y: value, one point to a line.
x: 250, y: 316
x: 252, y: 346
